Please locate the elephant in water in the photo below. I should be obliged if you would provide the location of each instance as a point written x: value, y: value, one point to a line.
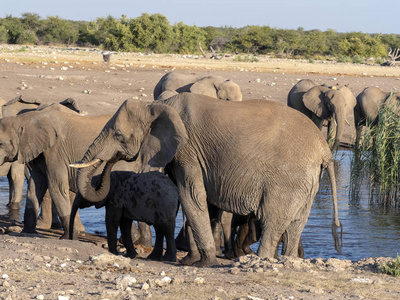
x: 149, y: 197
x: 173, y: 83
x: 368, y: 103
x: 323, y: 103
x: 247, y: 165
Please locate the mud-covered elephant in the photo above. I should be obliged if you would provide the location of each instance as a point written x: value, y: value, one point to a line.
x: 48, y: 141
x: 213, y: 86
x: 148, y: 197
x: 248, y: 165
x: 368, y: 103
x: 323, y: 103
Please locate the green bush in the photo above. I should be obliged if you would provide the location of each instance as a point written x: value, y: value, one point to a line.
x: 344, y: 59
x: 391, y: 268
x: 246, y: 58
x: 358, y: 59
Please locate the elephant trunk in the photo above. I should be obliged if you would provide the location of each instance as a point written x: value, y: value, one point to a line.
x: 85, y: 175
x: 74, y: 210
x: 340, y: 119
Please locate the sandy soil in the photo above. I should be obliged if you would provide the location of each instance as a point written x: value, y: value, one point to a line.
x: 44, y: 267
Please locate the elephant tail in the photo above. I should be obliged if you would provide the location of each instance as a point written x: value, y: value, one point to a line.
x: 337, y: 228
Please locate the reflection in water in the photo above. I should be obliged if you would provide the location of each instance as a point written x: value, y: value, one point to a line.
x: 368, y: 230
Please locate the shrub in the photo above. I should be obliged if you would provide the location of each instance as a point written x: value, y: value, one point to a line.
x: 358, y: 59
x: 391, y: 268
x: 344, y: 59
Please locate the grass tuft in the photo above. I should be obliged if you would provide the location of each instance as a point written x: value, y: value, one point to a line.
x: 377, y: 158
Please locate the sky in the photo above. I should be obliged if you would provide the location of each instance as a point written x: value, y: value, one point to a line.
x: 368, y: 16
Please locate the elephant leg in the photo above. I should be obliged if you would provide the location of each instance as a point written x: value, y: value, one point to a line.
x: 226, y: 223
x: 16, y: 180
x: 194, y: 203
x: 216, y: 228
x: 252, y: 236
x: 78, y: 223
x: 182, y: 240
x: 146, y: 238
x: 170, y: 252
x: 113, y: 219
x: 126, y: 227
x: 294, y: 246
x: 135, y: 234
x: 272, y: 225
x: 47, y: 213
x: 157, y: 252
x: 59, y: 193
x: 37, y: 186
x: 243, y: 231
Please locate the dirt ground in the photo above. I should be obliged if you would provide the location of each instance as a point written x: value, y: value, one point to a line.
x: 43, y: 267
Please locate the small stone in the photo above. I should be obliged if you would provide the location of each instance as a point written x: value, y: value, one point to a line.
x: 199, y: 280
x: 145, y: 286
x: 39, y: 297
x: 234, y: 271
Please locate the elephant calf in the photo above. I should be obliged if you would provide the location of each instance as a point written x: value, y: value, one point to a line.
x: 149, y: 197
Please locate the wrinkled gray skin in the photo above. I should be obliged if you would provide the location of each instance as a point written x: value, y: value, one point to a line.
x: 368, y: 103
x: 248, y: 164
x: 213, y: 86
x: 48, y: 141
x: 149, y: 197
x: 322, y: 103
x: 17, y: 172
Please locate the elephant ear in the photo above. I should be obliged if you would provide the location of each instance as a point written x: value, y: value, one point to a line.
x: 36, y: 136
x: 314, y: 100
x: 19, y: 105
x: 205, y: 86
x: 166, y: 136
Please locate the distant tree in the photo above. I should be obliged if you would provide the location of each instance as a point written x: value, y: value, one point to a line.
x: 56, y: 30
x: 315, y: 43
x: 152, y: 32
x: 187, y: 38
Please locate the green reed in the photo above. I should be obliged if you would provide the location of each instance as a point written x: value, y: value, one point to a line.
x: 377, y: 158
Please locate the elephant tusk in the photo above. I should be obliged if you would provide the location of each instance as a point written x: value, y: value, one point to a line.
x: 85, y: 165
x: 347, y: 122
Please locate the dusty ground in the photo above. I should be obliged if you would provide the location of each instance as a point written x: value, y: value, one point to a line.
x: 43, y: 267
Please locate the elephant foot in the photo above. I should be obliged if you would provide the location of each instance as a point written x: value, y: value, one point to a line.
x: 154, y: 256
x: 169, y: 257
x: 130, y: 254
x: 206, y: 262
x: 190, y: 258
x: 29, y: 230
x: 43, y: 224
x: 115, y: 252
x: 14, y: 205
x: 218, y: 252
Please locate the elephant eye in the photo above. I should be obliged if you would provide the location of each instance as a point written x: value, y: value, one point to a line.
x: 119, y: 136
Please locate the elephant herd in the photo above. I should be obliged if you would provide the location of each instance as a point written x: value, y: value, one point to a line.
x: 257, y: 160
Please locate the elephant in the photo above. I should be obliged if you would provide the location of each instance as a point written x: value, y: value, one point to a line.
x: 17, y: 172
x: 322, y: 103
x: 148, y: 197
x: 368, y: 103
x: 266, y: 161
x: 48, y: 140
x: 213, y: 86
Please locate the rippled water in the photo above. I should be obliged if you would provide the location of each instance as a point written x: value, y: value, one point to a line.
x: 368, y: 231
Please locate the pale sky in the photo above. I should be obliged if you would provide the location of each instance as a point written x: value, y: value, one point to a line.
x: 368, y: 16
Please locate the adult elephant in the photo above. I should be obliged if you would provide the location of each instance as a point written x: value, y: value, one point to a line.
x: 48, y: 141
x: 17, y: 172
x: 323, y: 103
x: 249, y: 165
x: 368, y: 103
x: 213, y: 86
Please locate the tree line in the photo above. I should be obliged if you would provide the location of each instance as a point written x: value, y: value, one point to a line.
x: 154, y: 33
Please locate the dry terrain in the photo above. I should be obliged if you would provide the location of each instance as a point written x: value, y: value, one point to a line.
x: 43, y: 267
